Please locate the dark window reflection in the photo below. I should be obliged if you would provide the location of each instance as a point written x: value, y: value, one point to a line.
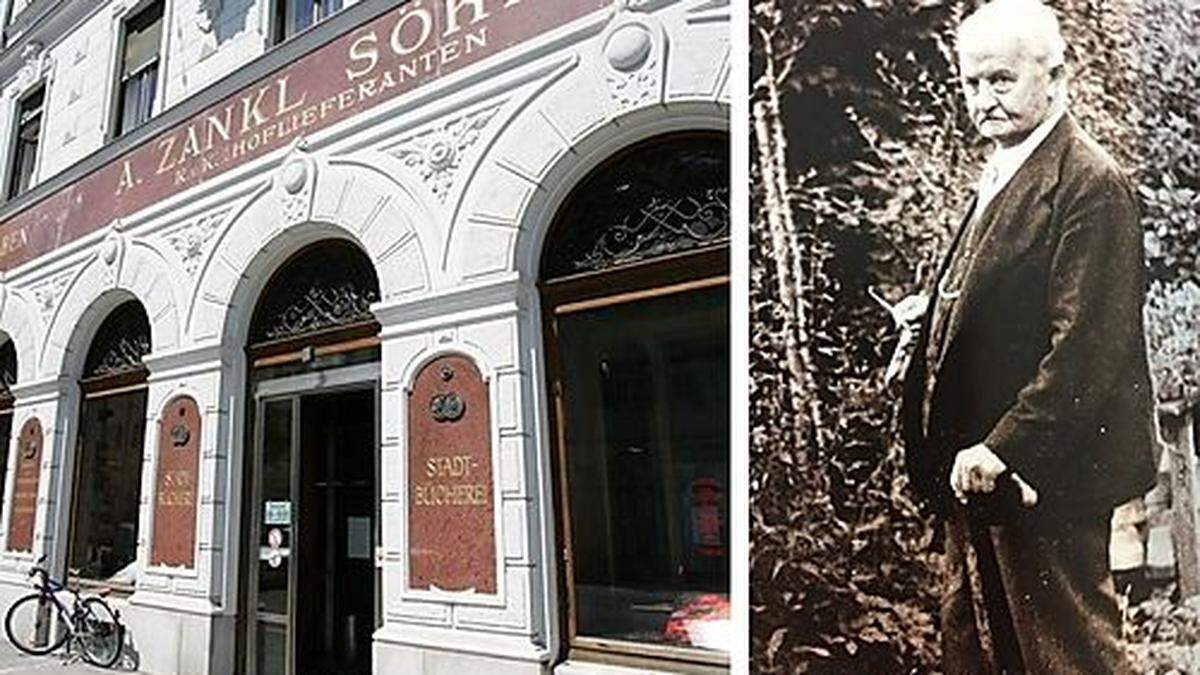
x: 646, y: 388
x: 108, y: 487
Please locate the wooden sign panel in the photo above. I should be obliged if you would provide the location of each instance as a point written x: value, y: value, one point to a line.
x: 25, y: 486
x: 176, y: 484
x: 451, y: 520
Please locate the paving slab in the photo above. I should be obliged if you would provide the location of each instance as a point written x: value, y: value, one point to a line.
x: 14, y: 662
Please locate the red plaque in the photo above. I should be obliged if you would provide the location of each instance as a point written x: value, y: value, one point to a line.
x: 25, y: 487
x: 176, y: 483
x: 451, y: 520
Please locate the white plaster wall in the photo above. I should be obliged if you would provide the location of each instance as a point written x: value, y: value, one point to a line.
x: 455, y: 245
x: 210, y: 39
x: 78, y: 95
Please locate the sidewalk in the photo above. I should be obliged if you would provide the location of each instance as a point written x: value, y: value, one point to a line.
x: 13, y: 662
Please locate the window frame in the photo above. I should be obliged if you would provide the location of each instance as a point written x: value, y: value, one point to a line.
x: 277, y: 33
x: 698, y: 269
x: 93, y: 386
x: 10, y: 174
x: 113, y: 130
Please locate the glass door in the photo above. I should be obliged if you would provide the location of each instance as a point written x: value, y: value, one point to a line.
x: 313, y: 601
x: 273, y: 531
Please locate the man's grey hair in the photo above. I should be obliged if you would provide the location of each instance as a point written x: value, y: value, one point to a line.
x: 1030, y: 21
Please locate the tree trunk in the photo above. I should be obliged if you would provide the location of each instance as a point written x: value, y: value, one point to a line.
x: 785, y: 256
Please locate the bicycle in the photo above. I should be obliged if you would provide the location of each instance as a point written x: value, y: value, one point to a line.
x: 40, y: 623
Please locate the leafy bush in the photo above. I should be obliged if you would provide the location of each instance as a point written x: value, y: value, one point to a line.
x: 1164, y: 635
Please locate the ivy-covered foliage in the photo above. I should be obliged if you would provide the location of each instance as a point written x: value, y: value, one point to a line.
x: 881, y: 162
x: 1164, y: 636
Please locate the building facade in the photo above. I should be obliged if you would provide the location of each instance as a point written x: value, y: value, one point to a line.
x: 387, y: 336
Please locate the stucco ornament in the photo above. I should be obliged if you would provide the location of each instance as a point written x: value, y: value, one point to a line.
x: 294, y: 182
x: 36, y: 65
x: 437, y: 153
x: 633, y: 55
x: 629, y: 47
x: 48, y: 293
x: 112, y: 253
x: 190, y: 240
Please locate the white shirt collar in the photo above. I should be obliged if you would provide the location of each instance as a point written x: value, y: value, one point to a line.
x: 1005, y: 162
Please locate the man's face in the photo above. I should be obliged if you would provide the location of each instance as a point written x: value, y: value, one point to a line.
x: 1008, y: 92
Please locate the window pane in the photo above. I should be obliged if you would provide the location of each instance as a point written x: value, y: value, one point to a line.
x: 136, y: 106
x: 29, y: 131
x: 143, y: 35
x: 272, y: 649
x: 300, y: 14
x: 646, y: 388
x: 108, y: 486
x: 139, y: 68
x: 276, y: 507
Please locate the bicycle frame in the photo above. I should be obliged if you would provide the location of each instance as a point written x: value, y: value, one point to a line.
x: 49, y: 589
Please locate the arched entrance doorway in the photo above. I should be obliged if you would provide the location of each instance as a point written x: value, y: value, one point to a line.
x: 311, y: 602
x: 635, y: 299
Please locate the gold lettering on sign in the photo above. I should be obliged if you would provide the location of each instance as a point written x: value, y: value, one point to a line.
x: 176, y: 489
x: 126, y: 181
x: 11, y: 242
x: 441, y: 493
x: 408, y: 47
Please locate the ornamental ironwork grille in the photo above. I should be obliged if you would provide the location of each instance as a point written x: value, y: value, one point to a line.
x: 325, y: 286
x: 120, y: 342
x: 658, y: 198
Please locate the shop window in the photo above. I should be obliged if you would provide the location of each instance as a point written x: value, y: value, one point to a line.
x: 636, y: 301
x: 8, y: 377
x: 139, y: 66
x: 294, y: 16
x: 108, y: 459
x: 28, y: 134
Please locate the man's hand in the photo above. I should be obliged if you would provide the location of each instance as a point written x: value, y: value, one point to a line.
x: 977, y: 468
x: 907, y: 315
x: 908, y: 312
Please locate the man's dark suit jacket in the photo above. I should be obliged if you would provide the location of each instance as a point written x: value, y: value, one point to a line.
x: 1044, y: 357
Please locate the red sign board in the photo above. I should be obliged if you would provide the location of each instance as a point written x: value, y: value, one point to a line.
x: 176, y: 484
x: 25, y: 487
x: 451, y: 519
x: 404, y: 49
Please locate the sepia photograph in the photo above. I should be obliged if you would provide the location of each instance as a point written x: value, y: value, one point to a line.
x: 974, y: 311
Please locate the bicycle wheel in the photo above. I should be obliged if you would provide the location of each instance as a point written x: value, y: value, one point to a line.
x: 29, y: 626
x: 99, y: 633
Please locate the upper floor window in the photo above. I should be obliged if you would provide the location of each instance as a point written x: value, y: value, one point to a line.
x: 293, y: 16
x: 25, y: 144
x: 139, y: 68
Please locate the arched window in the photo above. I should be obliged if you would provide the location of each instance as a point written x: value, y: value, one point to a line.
x: 317, y: 305
x: 634, y: 280
x: 108, y: 458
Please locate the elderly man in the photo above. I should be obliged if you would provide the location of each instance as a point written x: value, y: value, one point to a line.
x: 1027, y: 403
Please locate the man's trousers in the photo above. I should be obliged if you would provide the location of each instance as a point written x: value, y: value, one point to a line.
x: 1028, y: 597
